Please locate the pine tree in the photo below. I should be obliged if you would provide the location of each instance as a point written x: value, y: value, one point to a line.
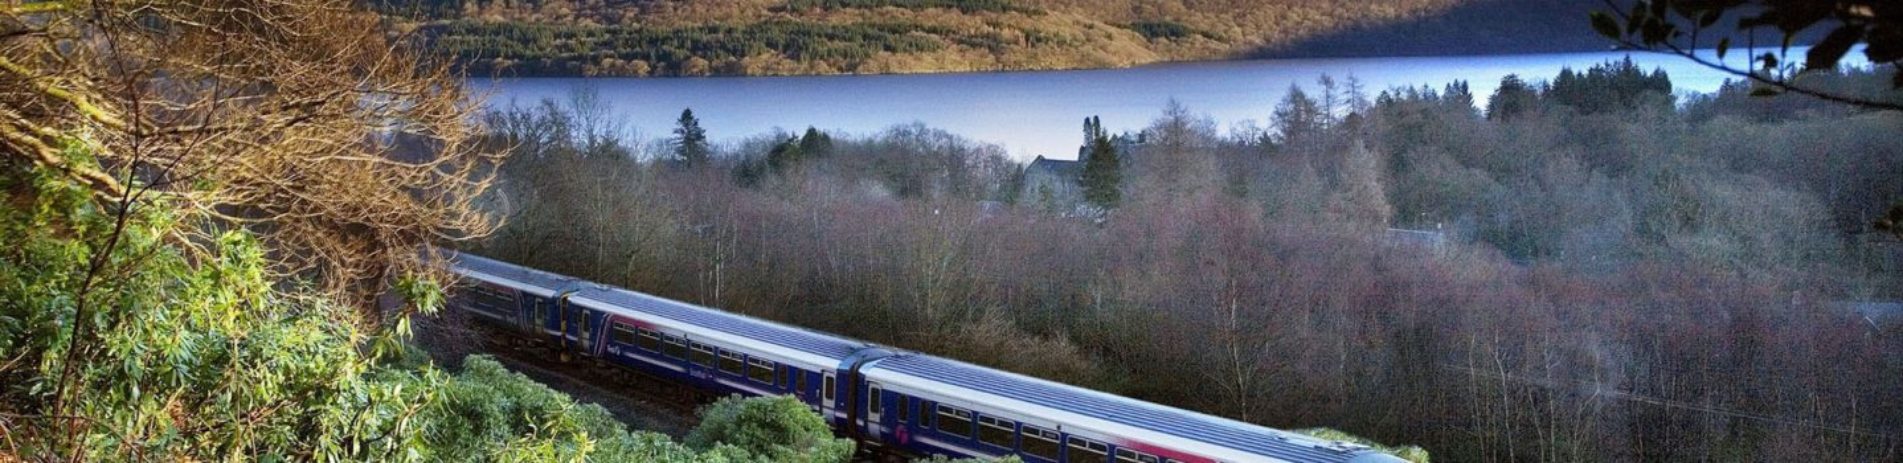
x: 785, y: 155
x: 816, y: 143
x: 1514, y: 97
x: 690, y: 141
x: 1103, y: 177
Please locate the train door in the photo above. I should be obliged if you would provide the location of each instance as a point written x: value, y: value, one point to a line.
x: 875, y: 409
x: 581, y: 328
x: 539, y: 316
x: 828, y: 392
x: 804, y: 388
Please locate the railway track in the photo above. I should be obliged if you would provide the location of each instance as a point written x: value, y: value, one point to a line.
x: 642, y: 402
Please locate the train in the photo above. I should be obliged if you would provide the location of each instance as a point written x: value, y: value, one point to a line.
x: 890, y: 400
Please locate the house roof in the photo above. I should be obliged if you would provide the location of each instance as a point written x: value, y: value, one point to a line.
x: 1055, y: 167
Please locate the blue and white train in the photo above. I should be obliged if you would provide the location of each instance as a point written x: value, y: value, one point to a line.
x: 916, y: 403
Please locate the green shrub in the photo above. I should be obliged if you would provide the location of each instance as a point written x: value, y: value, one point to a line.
x: 212, y: 357
x: 775, y: 428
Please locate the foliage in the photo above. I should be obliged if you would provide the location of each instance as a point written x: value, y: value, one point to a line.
x: 964, y: 6
x: 231, y: 121
x: 1676, y: 26
x: 773, y: 428
x: 1102, y: 179
x: 208, y: 359
x: 1161, y: 30
x: 180, y: 283
x: 1613, y: 86
x: 532, y: 49
x: 1691, y: 262
x: 1410, y: 453
x: 487, y: 413
x: 799, y: 37
x: 1513, y: 97
x: 690, y: 141
x: 177, y: 359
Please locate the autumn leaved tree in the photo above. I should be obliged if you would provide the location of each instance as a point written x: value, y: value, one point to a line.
x: 295, y: 119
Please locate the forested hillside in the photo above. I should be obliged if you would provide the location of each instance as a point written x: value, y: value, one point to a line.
x: 781, y: 37
x: 1586, y: 269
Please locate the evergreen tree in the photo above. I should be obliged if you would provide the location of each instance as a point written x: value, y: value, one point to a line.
x: 1458, y: 96
x: 1612, y: 86
x: 690, y: 141
x: 816, y: 143
x: 1103, y: 177
x: 785, y: 155
x: 1514, y: 97
x: 1093, y: 127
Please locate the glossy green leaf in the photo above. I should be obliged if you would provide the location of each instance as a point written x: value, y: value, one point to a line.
x: 1826, y: 53
x: 1606, y: 26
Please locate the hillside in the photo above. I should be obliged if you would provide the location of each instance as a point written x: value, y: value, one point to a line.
x: 799, y: 37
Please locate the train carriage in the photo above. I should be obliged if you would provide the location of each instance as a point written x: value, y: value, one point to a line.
x: 951, y: 407
x: 899, y: 402
x: 716, y: 351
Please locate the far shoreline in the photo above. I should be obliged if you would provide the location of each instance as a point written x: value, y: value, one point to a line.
x: 1159, y: 63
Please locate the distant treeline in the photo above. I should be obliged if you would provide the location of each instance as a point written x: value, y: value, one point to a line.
x: 532, y: 49
x: 967, y: 6
x: 1162, y: 29
x: 776, y: 37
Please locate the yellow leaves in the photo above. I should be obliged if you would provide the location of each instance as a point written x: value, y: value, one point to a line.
x: 33, y: 7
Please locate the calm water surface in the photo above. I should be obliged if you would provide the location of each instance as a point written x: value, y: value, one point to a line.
x: 1040, y: 113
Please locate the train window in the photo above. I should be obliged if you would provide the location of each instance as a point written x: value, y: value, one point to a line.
x: 703, y: 355
x: 1132, y: 456
x: 954, y: 420
x: 622, y: 334
x: 491, y: 300
x: 924, y: 413
x: 760, y: 370
x: 905, y: 407
x: 1040, y: 442
x: 730, y: 362
x: 828, y: 390
x: 874, y: 404
x: 996, y: 432
x: 799, y: 379
x: 649, y: 340
x: 676, y: 348
x: 1088, y: 451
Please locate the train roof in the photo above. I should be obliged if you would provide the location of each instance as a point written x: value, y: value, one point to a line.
x: 1174, y: 422
x: 545, y: 284
x: 624, y: 301
x: 778, y: 335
